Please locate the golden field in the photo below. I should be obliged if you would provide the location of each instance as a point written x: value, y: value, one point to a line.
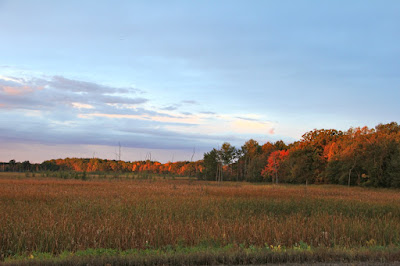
x: 53, y: 215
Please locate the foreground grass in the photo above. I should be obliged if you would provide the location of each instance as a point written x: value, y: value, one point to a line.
x: 165, y: 220
x: 228, y: 255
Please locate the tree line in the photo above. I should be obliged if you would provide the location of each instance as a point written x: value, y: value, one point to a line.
x: 359, y: 156
x: 181, y: 168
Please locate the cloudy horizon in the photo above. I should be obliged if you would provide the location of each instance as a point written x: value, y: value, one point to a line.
x: 78, y: 78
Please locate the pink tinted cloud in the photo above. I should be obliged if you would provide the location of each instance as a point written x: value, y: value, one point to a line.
x: 20, y: 90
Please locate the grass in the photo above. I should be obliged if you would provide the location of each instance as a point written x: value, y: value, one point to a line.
x: 165, y: 219
x: 229, y: 255
x: 92, y: 176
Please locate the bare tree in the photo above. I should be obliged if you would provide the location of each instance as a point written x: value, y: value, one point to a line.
x: 194, y: 151
x: 118, y: 154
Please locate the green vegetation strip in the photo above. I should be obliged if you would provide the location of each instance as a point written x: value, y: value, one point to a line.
x: 202, y: 255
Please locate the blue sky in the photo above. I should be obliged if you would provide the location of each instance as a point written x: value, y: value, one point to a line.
x: 77, y: 77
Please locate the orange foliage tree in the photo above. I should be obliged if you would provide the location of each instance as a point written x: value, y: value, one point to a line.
x: 274, y: 164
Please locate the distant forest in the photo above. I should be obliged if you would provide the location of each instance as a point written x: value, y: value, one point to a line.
x: 357, y: 157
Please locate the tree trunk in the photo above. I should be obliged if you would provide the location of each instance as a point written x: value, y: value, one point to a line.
x: 351, y: 169
x: 222, y: 173
x: 216, y: 173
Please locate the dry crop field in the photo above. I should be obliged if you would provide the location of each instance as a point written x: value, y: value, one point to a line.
x: 53, y: 215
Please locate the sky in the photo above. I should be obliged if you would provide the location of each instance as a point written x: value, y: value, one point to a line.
x: 175, y: 78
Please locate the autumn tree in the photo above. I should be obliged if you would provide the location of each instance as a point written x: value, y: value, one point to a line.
x: 273, y: 168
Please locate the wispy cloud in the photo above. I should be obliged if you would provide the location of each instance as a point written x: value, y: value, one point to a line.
x: 176, y: 106
x: 229, y: 125
x: 208, y: 113
x: 164, y: 119
x: 11, y: 86
x: 247, y: 118
x: 59, y: 110
x: 60, y: 82
x: 170, y: 107
x: 190, y: 102
x: 82, y: 106
x: 10, y: 90
x: 41, y: 93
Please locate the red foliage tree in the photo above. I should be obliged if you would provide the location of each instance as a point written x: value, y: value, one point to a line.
x: 274, y: 162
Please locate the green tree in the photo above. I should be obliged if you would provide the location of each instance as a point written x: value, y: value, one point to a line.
x: 252, y: 164
x: 227, y: 155
x: 210, y: 164
x: 26, y: 166
x: 280, y: 145
x: 302, y: 166
x: 12, y: 165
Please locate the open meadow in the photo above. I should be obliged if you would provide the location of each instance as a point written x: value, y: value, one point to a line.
x: 55, y: 216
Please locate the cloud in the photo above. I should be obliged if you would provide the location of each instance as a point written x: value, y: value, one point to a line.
x: 120, y: 100
x: 170, y: 108
x: 104, y: 130
x: 129, y: 109
x: 253, y: 127
x: 176, y: 106
x: 163, y: 119
x: 208, y: 113
x: 16, y: 90
x: 47, y: 93
x: 82, y: 106
x: 60, y: 82
x: 246, y: 118
x: 190, y: 102
x: 10, y: 86
x: 229, y: 126
x: 63, y: 111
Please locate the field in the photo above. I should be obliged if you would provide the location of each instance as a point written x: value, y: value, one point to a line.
x: 46, y: 218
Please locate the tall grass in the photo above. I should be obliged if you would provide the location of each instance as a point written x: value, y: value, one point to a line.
x: 70, y: 215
